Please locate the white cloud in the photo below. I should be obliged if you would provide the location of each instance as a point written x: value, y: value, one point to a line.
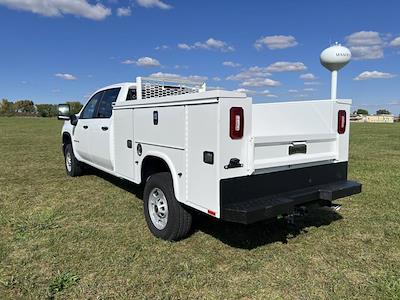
x: 147, y: 62
x: 153, y: 3
x: 124, y: 11
x: 216, y: 78
x: 367, y: 52
x: 57, y: 8
x: 143, y: 62
x: 65, y: 76
x: 162, y: 47
x: 181, y: 67
x: 374, y: 75
x: 196, y: 78
x: 214, y: 44
x: 246, y: 91
x: 230, y: 64
x: 260, y: 82
x: 267, y: 93
x: 250, y: 73
x: 129, y: 62
x: 184, y: 46
x: 312, y: 83
x: 168, y: 75
x: 284, y: 66
x: 364, y: 38
x: 276, y: 42
x: 293, y: 91
x: 257, y: 76
x: 309, y: 90
x: 366, y: 45
x: 308, y: 76
x: 395, y: 42
x: 210, y: 44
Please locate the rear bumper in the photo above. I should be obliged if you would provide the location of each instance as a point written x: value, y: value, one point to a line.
x: 254, y: 198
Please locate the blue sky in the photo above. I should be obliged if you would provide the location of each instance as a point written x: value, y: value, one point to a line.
x: 58, y: 50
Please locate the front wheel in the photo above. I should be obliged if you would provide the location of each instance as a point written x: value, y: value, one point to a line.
x: 72, y: 165
x: 165, y: 216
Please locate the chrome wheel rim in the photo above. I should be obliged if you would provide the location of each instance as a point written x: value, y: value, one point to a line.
x: 68, y: 161
x: 158, y: 208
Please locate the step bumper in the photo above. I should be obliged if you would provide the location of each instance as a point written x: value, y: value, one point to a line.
x: 271, y: 206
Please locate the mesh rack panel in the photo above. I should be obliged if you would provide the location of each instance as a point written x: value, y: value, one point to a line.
x: 163, y: 87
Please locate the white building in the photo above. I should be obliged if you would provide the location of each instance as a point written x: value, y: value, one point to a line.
x: 372, y: 118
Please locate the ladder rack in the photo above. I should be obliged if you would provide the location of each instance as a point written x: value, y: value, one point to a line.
x: 156, y: 87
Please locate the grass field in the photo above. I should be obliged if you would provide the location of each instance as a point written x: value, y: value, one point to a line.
x: 86, y: 237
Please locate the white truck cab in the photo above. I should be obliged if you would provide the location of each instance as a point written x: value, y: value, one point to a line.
x: 211, y: 151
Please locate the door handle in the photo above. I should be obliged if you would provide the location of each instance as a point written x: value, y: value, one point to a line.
x: 104, y: 128
x: 85, y: 127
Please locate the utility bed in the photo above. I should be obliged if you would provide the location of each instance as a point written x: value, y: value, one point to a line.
x: 213, y: 151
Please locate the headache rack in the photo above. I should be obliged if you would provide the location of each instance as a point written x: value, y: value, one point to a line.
x: 156, y: 87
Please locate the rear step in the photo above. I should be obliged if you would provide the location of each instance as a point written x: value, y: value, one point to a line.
x: 254, y: 210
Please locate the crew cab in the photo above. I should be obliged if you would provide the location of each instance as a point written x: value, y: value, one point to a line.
x: 211, y: 151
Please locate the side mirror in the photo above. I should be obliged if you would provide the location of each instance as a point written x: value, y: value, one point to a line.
x: 64, y: 112
x: 73, y: 119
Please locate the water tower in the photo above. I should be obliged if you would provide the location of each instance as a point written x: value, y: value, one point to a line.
x: 334, y: 58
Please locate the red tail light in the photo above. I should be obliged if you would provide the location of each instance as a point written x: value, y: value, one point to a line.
x: 341, y: 125
x: 210, y: 212
x: 236, y: 123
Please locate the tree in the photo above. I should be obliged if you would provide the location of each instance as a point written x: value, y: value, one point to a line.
x: 46, y: 110
x: 75, y: 106
x: 361, y: 111
x: 383, y: 112
x: 6, y: 107
x: 24, y: 107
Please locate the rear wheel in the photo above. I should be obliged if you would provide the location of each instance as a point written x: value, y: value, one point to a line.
x: 72, y: 165
x: 165, y: 216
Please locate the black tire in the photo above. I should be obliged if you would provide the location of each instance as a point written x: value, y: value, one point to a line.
x: 75, y: 169
x: 179, y: 220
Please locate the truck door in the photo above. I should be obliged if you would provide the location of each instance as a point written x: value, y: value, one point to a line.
x: 82, y: 136
x: 100, y: 132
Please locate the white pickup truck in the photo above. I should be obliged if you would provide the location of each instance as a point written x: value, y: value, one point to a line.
x: 211, y: 151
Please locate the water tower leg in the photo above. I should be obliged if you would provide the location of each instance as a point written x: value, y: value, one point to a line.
x: 334, y: 85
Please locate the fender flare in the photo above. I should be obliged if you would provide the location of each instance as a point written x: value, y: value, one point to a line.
x: 65, y: 134
x: 68, y: 133
x: 171, y: 167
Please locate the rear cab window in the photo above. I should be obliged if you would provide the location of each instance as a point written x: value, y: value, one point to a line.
x: 131, y: 94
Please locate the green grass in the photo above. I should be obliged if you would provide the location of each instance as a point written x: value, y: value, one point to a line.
x: 86, y: 237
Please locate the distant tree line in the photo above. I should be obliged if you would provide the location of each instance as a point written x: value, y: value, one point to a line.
x: 361, y: 111
x: 28, y: 108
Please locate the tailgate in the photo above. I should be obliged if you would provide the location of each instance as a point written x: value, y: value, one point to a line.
x: 291, y: 133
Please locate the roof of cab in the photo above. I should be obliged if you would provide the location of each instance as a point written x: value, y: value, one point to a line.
x: 115, y: 85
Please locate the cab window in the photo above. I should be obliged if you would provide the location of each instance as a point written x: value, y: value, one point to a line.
x: 90, y: 108
x: 131, y: 94
x: 105, y: 106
